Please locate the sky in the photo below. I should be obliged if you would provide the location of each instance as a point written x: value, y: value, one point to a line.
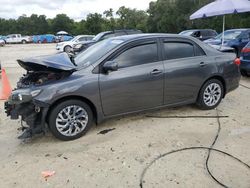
x: 75, y: 9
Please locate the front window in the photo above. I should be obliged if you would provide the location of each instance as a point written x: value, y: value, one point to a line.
x: 95, y: 52
x: 137, y: 55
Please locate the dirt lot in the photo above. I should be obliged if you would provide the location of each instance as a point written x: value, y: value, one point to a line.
x: 118, y: 158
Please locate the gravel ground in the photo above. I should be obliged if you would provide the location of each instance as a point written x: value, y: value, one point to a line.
x: 118, y: 158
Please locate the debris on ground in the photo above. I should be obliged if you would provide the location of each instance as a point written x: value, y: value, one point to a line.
x: 106, y: 131
x: 48, y: 173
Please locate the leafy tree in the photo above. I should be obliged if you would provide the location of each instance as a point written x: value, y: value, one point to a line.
x: 132, y: 18
x: 94, y: 23
x: 110, y: 24
x: 62, y: 23
x: 167, y: 16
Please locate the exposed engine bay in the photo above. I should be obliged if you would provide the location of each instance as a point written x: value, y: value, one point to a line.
x: 39, y: 77
x: 23, y: 104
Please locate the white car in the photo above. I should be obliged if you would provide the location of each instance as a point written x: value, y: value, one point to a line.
x: 18, y: 38
x: 67, y: 45
x: 2, y: 42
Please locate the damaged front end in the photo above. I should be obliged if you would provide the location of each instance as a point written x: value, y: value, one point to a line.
x: 23, y: 103
x: 32, y: 112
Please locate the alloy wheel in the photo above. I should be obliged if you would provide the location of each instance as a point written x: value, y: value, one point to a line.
x: 212, y: 94
x: 71, y: 120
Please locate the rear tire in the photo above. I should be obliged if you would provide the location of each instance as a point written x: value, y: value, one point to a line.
x: 70, y: 119
x: 24, y: 42
x: 210, y: 95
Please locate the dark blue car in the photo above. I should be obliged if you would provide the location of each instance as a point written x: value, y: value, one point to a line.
x: 245, y: 60
x: 234, y: 38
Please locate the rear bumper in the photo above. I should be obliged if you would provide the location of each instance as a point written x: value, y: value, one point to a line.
x: 232, y: 82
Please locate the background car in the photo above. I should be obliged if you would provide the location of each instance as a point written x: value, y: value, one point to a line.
x: 68, y: 45
x: 118, y: 76
x: 2, y: 42
x: 63, y: 36
x: 101, y: 36
x: 245, y: 60
x: 18, y: 38
x: 47, y: 38
x: 234, y: 38
x: 201, y: 34
x: 3, y: 38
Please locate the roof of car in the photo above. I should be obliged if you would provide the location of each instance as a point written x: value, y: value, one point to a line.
x: 240, y: 29
x: 146, y: 35
x: 85, y: 35
x: 198, y: 30
x: 119, y: 30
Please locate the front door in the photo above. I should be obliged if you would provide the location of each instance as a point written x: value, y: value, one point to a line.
x: 138, y: 82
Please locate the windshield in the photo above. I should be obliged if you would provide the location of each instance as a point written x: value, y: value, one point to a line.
x: 229, y: 35
x: 95, y: 52
x: 75, y: 39
x: 187, y: 33
x: 98, y: 37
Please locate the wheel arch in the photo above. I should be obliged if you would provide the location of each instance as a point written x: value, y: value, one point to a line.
x: 73, y: 97
x: 217, y: 77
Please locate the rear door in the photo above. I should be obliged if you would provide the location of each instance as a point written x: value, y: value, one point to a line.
x: 138, y: 83
x: 186, y: 67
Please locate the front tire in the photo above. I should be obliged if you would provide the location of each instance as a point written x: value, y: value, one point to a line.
x: 67, y: 49
x: 210, y: 94
x: 70, y: 119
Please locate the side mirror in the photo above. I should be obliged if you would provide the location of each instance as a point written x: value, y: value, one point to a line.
x: 110, y: 66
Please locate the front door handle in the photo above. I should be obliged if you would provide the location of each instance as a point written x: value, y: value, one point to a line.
x: 156, y: 72
x: 202, y: 64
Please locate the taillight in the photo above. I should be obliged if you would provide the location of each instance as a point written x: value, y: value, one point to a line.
x: 237, y: 61
x: 245, y: 50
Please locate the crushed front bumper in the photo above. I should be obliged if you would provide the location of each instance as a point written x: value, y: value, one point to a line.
x: 33, y: 113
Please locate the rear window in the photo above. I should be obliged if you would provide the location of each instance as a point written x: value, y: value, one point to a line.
x: 248, y: 45
x: 178, y: 50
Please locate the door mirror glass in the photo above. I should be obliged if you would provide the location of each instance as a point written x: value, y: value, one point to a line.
x: 110, y: 66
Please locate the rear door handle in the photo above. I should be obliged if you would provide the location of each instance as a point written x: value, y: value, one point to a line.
x: 156, y: 72
x: 202, y: 64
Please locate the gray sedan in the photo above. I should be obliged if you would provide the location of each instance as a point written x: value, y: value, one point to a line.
x: 119, y: 76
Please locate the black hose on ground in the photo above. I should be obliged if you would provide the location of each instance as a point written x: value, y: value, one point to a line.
x: 211, y: 148
x: 245, y: 86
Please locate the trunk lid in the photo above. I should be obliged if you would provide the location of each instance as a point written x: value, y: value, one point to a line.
x: 55, y: 63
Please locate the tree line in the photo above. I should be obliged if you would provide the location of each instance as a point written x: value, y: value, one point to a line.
x: 166, y: 16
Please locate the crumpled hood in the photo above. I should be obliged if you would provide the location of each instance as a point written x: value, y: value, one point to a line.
x: 56, y: 63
